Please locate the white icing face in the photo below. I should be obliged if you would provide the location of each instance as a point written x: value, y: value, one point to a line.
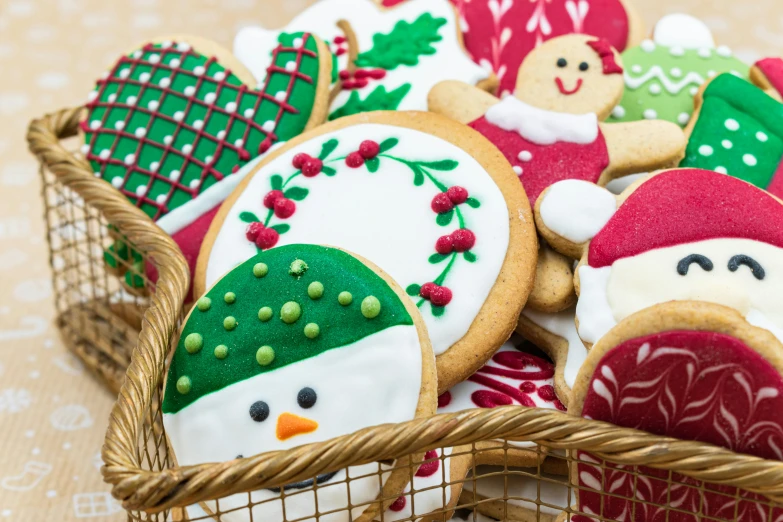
x: 385, y: 217
x: 610, y: 294
x: 219, y: 427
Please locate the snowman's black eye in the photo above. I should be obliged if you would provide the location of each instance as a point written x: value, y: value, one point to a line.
x: 584, y: 66
x: 562, y: 62
x: 259, y: 411
x: 306, y: 398
x: 687, y: 261
x: 741, y: 259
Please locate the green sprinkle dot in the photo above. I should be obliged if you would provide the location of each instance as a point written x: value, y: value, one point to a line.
x: 230, y: 297
x: 265, y: 355
x: 298, y: 268
x: 345, y: 298
x: 312, y: 330
x: 194, y: 342
x: 290, y: 312
x: 371, y: 307
x: 265, y: 314
x: 260, y: 269
x: 203, y: 304
x: 315, y: 290
x: 184, y: 384
x: 229, y: 323
x: 221, y: 351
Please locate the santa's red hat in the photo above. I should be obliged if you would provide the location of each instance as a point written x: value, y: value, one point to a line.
x: 683, y: 206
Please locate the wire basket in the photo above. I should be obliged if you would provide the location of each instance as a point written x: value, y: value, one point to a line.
x: 586, y: 470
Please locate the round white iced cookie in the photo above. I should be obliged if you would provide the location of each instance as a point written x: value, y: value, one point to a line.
x: 296, y: 345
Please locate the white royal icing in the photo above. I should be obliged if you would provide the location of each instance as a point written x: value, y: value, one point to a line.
x: 426, y: 500
x: 682, y: 30
x: 522, y: 491
x: 541, y: 126
x: 592, y: 308
x: 576, y: 210
x: 382, y: 216
x: 450, y: 62
x: 657, y: 72
x: 217, y: 427
x: 563, y: 325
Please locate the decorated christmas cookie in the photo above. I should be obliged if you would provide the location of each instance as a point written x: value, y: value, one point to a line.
x: 511, y: 377
x: 299, y: 344
x: 683, y: 234
x: 768, y: 74
x: 663, y: 75
x: 500, y: 33
x: 427, y: 199
x: 689, y: 370
x: 389, y: 58
x: 173, y: 123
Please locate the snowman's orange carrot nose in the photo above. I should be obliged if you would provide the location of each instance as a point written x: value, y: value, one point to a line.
x: 289, y: 425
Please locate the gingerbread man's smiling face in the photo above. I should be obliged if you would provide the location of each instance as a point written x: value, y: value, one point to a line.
x: 575, y: 74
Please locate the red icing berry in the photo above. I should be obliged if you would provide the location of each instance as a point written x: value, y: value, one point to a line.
x: 345, y: 74
x: 299, y: 160
x: 311, y: 167
x: 426, y: 290
x: 284, y: 208
x: 267, y: 238
x: 339, y: 39
x: 444, y: 245
x: 369, y: 149
x: 457, y: 195
x: 429, y: 468
x: 354, y: 160
x: 442, y: 203
x: 463, y: 239
x: 398, y: 505
x: 440, y: 296
x: 271, y: 197
x: 547, y: 392
x: 444, y: 399
x: 253, y: 229
x: 527, y: 387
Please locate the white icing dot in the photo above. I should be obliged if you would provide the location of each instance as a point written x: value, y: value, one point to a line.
x: 168, y: 139
x: 119, y: 125
x: 693, y: 91
x: 676, y: 72
x: 619, y: 112
x: 290, y: 66
x: 711, y: 73
x: 112, y: 97
x: 165, y: 44
x: 131, y: 100
x: 198, y: 124
x: 92, y: 95
x: 95, y: 124
x: 182, y: 46
x: 636, y: 69
x: 297, y: 42
x: 190, y: 90
x: 160, y: 199
x: 194, y: 183
x: 140, y: 132
x: 104, y: 75
x: 721, y: 170
x: 650, y: 114
x: 165, y: 82
x: 525, y: 155
x: 187, y: 148
x: 116, y: 182
x: 239, y: 142
x: 727, y: 144
x: 249, y: 113
x: 231, y: 106
x: 97, y: 174
x: 676, y: 51
x: 137, y: 53
x: 124, y: 73
x: 280, y: 95
x: 647, y: 46
x: 761, y: 136
x: 141, y: 190
x: 85, y: 149
x: 153, y: 105
x: 174, y: 175
x: 732, y: 124
x: 219, y: 76
x: 517, y: 170
x: 179, y: 115
x: 144, y: 77
x: 104, y: 154
x: 705, y: 150
x: 655, y: 89
x: 154, y: 166
x: 221, y: 134
x: 724, y: 51
x: 268, y: 126
x: 129, y: 159
x: 704, y: 52
x: 684, y: 118
x: 154, y: 58
x: 199, y: 70
x: 175, y: 62
x: 749, y: 160
x: 210, y: 97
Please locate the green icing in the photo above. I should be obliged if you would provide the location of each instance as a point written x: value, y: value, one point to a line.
x: 221, y: 351
x: 404, y: 44
x: 338, y: 325
x: 265, y: 314
x: 312, y: 330
x: 345, y: 298
x: 260, y: 269
x: 379, y: 99
x: 298, y: 268
x: 203, y: 304
x: 739, y: 132
x: 371, y: 307
x: 230, y: 322
x: 315, y: 290
x: 230, y: 297
x: 265, y: 355
x: 290, y: 312
x: 193, y: 343
x: 183, y: 385
x: 663, y: 80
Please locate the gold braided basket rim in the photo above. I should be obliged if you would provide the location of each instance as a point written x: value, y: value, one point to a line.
x: 155, y: 491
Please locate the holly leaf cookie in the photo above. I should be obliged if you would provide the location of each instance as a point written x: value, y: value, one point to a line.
x: 389, y: 58
x: 298, y: 344
x: 688, y: 370
x: 173, y: 123
x: 422, y: 196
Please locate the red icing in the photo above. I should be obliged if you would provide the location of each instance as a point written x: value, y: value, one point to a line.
x: 563, y: 90
x: 458, y: 195
x: 440, y: 296
x: 312, y: 167
x: 369, y: 149
x: 271, y: 198
x: 683, y: 206
x: 399, y: 504
x: 354, y: 160
x: 773, y: 70
x: 691, y: 385
x: 429, y: 468
x: 267, y: 238
x: 500, y: 33
x: 549, y: 163
x: 606, y: 52
x: 463, y: 239
x: 284, y: 208
x: 444, y: 399
x: 442, y: 203
x: 444, y: 245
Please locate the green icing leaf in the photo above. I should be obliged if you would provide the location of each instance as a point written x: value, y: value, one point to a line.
x: 281, y: 229
x: 473, y: 202
x: 404, y: 44
x: 413, y: 290
x: 445, y: 218
x: 248, y: 217
x: 296, y: 193
x: 328, y: 171
x: 437, y: 311
x: 378, y: 100
x: 418, y: 174
x: 372, y: 164
x: 437, y: 258
x: 440, y: 165
x: 339, y: 325
x: 276, y: 181
x: 469, y: 256
x: 327, y: 148
x: 388, y: 144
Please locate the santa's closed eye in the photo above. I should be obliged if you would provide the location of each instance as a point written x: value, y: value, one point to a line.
x: 687, y: 261
x: 741, y: 259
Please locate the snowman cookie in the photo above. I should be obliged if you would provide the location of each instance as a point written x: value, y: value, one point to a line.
x: 689, y: 370
x: 389, y: 58
x: 682, y: 234
x: 663, y: 74
x: 429, y: 200
x: 298, y: 344
x: 175, y: 124
x: 500, y: 34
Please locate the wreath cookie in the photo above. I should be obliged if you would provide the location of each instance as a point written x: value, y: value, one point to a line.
x: 298, y: 344
x: 427, y: 199
x: 177, y: 123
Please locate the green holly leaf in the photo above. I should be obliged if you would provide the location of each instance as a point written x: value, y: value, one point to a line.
x: 248, y: 217
x: 388, y: 144
x: 372, y: 164
x: 437, y: 311
x: 404, y: 44
x: 378, y: 100
x: 413, y: 290
x: 281, y: 229
x: 437, y: 258
x: 445, y: 218
x: 418, y: 174
x: 469, y: 256
x: 327, y: 148
x: 440, y: 165
x: 328, y: 171
x: 277, y: 182
x: 296, y: 193
x: 473, y: 202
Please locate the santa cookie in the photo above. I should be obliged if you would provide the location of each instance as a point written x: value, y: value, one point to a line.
x: 172, y: 125
x: 767, y: 73
x: 692, y: 371
x: 500, y: 33
x: 662, y: 75
x: 264, y: 361
x: 389, y: 58
x: 683, y: 234
x: 429, y: 200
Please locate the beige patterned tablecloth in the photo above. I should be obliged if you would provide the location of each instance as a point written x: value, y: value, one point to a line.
x: 52, y: 414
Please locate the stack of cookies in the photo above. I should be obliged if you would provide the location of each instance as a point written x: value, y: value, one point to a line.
x: 510, y: 203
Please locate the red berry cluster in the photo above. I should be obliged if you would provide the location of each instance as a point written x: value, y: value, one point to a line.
x: 309, y: 165
x: 368, y: 149
x: 283, y: 207
x: 263, y: 237
x: 360, y: 77
x: 460, y: 240
x: 436, y: 294
x: 445, y: 201
x: 340, y: 45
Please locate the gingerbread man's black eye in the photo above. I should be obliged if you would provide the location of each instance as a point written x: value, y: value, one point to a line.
x: 686, y: 262
x: 259, y: 411
x: 584, y: 66
x: 562, y: 62
x: 306, y: 398
x: 741, y: 259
